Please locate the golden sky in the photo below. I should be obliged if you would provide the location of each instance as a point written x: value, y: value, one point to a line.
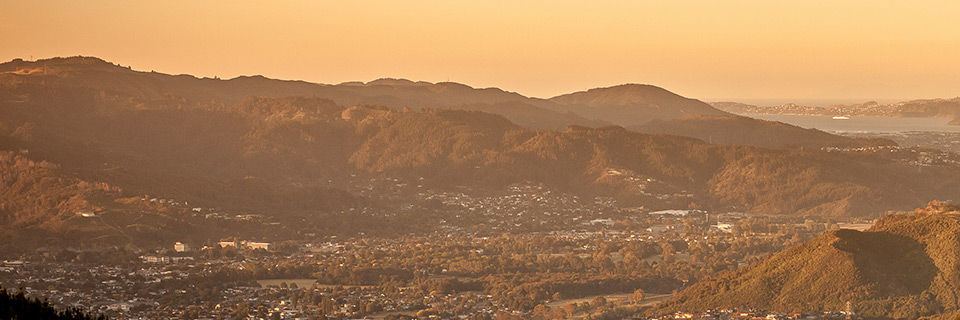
x: 706, y: 49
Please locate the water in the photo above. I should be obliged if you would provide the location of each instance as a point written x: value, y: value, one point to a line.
x: 772, y: 102
x: 865, y: 124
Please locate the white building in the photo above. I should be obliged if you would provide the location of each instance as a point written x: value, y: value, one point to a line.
x: 672, y: 212
x: 181, y: 247
x: 87, y: 214
x: 606, y: 222
x: 259, y: 245
x: 725, y: 227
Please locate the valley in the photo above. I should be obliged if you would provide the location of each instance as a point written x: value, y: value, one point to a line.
x: 136, y: 194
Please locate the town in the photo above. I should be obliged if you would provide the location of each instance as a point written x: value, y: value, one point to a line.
x: 529, y: 252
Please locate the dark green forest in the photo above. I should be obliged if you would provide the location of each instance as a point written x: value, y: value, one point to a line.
x: 17, y: 306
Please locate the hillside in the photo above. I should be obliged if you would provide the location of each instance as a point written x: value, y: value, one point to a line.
x: 929, y: 108
x: 738, y: 130
x: 47, y: 205
x: 114, y: 142
x: 736, y: 107
x: 904, y: 267
x: 632, y: 104
x: 625, y: 105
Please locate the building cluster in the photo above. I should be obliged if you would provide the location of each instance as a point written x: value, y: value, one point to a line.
x: 166, y: 283
x: 912, y: 156
x: 246, y: 245
x: 735, y: 314
x: 99, y: 288
x: 165, y: 291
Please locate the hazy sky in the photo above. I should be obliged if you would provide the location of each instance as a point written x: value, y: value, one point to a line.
x: 702, y: 49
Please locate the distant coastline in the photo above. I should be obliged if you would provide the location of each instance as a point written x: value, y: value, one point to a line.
x: 812, y: 102
x: 923, y: 108
x: 863, y: 123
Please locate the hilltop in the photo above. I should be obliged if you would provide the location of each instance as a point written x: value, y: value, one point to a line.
x: 632, y: 104
x: 904, y: 267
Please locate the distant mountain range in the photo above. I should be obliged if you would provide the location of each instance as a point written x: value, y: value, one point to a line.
x: 904, y: 267
x: 630, y: 105
x: 924, y: 108
x: 82, y: 135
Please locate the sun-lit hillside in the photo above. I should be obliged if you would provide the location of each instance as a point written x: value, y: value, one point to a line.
x: 904, y: 267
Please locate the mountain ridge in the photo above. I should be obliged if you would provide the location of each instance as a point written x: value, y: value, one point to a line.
x: 296, y: 159
x: 628, y: 105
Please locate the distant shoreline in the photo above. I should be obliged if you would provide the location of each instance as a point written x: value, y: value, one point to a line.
x: 855, y: 123
x: 773, y: 102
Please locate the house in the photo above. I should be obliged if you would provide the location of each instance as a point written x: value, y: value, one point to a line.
x: 124, y: 307
x: 671, y: 212
x: 181, y: 247
x: 86, y: 214
x: 725, y: 227
x: 10, y: 266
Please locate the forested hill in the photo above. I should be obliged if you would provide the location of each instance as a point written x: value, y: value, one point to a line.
x: 94, y: 73
x: 630, y: 105
x: 119, y: 145
x: 904, y: 267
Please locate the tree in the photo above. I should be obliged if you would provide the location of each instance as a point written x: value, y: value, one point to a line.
x: 558, y: 313
x: 18, y: 306
x: 667, y: 251
x: 637, y: 296
x: 599, y: 302
x: 192, y: 312
x: 541, y: 311
x: 242, y: 310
